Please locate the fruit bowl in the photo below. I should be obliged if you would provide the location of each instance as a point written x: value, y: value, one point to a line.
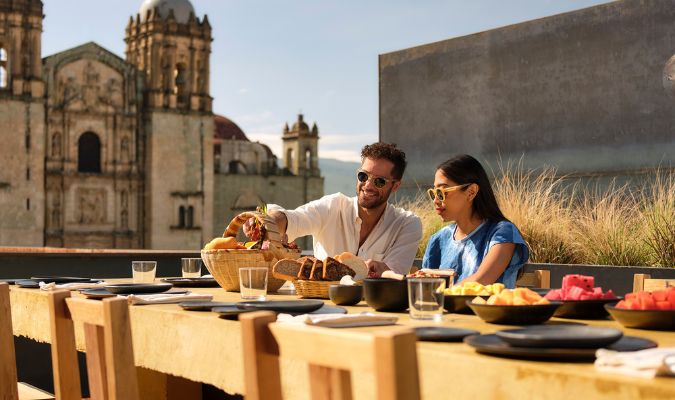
x: 662, y: 320
x: 456, y: 303
x: 514, y: 315
x: 385, y: 294
x: 584, y: 309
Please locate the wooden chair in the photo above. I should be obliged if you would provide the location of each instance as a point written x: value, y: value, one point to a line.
x: 539, y: 279
x: 645, y: 282
x: 390, y: 354
x: 9, y: 388
x: 110, y: 355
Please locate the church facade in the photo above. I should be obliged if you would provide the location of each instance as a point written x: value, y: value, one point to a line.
x: 104, y: 152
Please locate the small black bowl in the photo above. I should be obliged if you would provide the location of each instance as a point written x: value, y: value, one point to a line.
x: 584, y: 309
x: 661, y: 320
x: 456, y: 303
x: 345, y: 295
x: 385, y: 294
x: 514, y: 315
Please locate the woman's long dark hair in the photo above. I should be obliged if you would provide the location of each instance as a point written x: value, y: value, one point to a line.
x: 466, y: 169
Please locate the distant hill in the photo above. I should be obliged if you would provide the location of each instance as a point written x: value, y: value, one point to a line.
x: 339, y: 176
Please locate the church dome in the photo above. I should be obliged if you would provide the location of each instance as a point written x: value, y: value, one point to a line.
x: 300, y: 125
x: 181, y: 9
x: 225, y: 129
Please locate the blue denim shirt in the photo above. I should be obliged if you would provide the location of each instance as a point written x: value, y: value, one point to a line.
x: 466, y: 255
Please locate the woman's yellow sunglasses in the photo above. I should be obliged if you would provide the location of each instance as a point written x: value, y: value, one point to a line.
x: 439, y: 193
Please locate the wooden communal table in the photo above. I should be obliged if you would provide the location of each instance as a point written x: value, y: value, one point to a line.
x: 201, y: 347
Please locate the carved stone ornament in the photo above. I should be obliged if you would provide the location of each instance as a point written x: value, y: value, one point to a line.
x: 91, y: 206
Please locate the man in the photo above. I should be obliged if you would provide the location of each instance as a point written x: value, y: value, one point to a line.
x: 385, y: 236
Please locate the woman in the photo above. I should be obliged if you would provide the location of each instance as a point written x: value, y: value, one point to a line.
x: 481, y: 245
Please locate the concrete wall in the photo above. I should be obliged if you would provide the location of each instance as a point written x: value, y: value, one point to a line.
x: 583, y: 91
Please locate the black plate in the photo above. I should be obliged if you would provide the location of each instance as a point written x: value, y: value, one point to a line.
x: 290, y: 306
x: 326, y: 309
x: 138, y: 288
x: 584, y: 309
x: 662, y: 320
x: 441, y: 334
x: 97, y: 293
x: 569, y: 336
x: 493, y: 345
x: 27, y: 283
x: 204, y: 305
x: 60, y: 279
x: 230, y: 312
x: 456, y: 303
x: 191, y: 282
x: 514, y: 315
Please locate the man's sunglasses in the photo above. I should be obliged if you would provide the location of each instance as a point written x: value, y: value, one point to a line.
x: 439, y: 193
x: 378, y: 181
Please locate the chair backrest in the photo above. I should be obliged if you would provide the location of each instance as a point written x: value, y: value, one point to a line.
x: 645, y: 282
x: 110, y: 355
x: 8, y: 378
x: 540, y: 278
x: 331, y: 354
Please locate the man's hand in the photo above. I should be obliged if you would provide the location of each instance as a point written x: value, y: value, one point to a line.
x: 251, y: 229
x: 376, y: 268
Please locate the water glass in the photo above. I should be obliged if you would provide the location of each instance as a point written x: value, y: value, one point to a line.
x: 191, y: 267
x: 253, y: 283
x: 425, y: 297
x: 143, y: 271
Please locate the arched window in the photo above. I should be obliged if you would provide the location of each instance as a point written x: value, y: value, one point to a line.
x: 289, y: 158
x: 180, y: 82
x: 89, y: 153
x: 181, y: 217
x: 190, y: 217
x: 308, y: 159
x: 4, y: 76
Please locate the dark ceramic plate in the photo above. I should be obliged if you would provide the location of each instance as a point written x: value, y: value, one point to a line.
x: 456, y: 303
x: 98, y: 293
x: 191, y: 282
x: 61, y: 279
x: 10, y: 281
x: 441, y: 334
x: 138, y: 288
x: 289, y: 306
x: 514, y: 315
x: 230, y: 312
x: 662, y: 320
x: 326, y: 309
x: 204, y: 305
x: 584, y: 309
x: 559, y: 336
x: 493, y: 345
x: 27, y: 283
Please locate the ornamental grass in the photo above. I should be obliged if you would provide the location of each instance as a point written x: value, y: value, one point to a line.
x: 564, y: 222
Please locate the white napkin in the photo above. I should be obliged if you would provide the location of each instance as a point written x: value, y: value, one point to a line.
x: 72, y: 286
x: 644, y: 363
x: 166, y: 298
x: 339, y: 320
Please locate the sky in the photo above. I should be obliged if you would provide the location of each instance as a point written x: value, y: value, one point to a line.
x: 273, y: 59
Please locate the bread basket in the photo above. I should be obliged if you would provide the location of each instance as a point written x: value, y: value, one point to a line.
x: 313, y: 289
x: 224, y: 264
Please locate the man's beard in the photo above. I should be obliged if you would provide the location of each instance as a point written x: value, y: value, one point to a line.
x: 373, y: 202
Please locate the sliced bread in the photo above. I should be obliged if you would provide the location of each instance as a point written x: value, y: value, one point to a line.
x: 306, y: 267
x: 317, y: 271
x: 333, y: 270
x: 286, y: 269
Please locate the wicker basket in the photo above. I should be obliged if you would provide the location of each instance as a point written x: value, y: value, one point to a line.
x: 313, y: 289
x: 224, y: 264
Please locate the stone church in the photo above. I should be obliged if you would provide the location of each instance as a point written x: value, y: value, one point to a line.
x: 104, y: 152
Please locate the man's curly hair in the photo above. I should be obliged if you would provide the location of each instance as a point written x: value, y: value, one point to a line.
x: 386, y: 151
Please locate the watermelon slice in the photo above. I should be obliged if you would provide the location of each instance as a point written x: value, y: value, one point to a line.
x: 582, y: 281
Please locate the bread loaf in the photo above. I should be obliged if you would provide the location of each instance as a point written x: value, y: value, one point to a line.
x: 355, y: 263
x: 333, y: 270
x: 286, y: 269
x: 317, y: 271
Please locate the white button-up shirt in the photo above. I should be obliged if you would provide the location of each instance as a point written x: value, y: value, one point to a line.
x: 334, y: 223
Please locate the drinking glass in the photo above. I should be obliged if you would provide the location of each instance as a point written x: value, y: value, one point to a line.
x: 425, y: 297
x: 253, y: 283
x: 191, y: 267
x: 144, y: 271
